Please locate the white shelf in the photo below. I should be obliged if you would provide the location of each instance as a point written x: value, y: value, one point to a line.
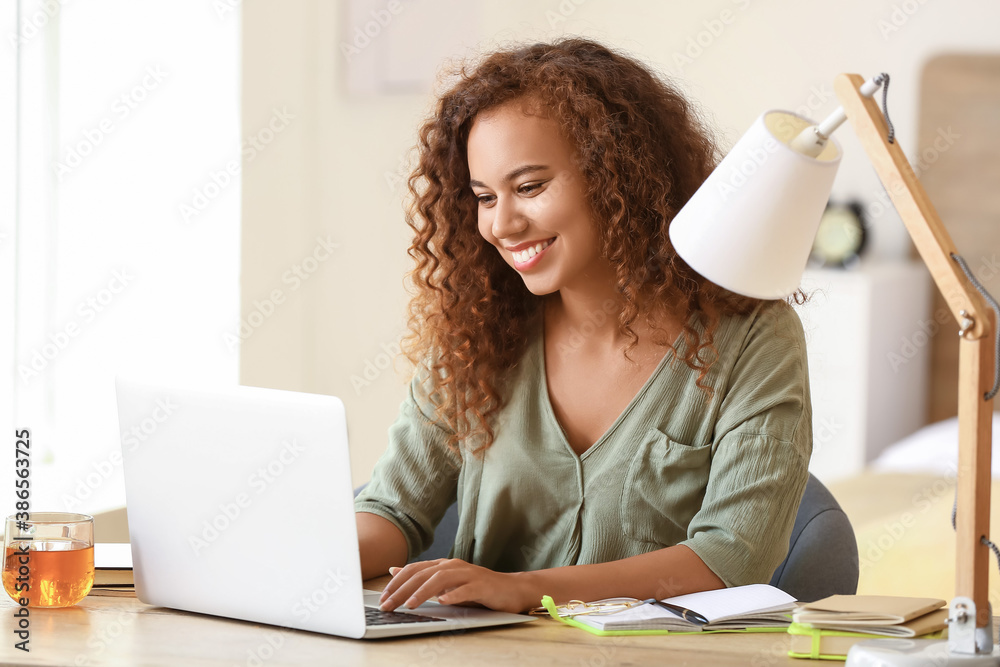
x: 869, y: 358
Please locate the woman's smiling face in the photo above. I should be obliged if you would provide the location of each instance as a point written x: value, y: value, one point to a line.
x: 532, y: 198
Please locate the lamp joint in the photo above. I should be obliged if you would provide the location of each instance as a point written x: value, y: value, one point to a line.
x: 967, y: 323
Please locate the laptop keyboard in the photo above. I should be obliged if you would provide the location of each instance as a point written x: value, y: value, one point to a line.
x: 379, y: 617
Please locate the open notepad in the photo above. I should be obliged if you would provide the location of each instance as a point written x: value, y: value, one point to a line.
x: 736, y: 608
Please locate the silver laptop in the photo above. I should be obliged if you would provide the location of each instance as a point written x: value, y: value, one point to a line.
x: 240, y: 505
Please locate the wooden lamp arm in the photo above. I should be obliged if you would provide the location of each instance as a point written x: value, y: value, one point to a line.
x: 976, y: 351
x: 908, y: 196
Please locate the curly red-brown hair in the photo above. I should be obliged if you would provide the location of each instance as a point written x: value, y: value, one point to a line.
x: 643, y: 151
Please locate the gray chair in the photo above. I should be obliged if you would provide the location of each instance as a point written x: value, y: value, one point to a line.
x: 822, y: 555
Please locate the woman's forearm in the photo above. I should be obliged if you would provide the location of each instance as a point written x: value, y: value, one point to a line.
x: 661, y: 574
x: 381, y: 544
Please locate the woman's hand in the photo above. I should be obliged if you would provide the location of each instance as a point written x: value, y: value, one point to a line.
x: 454, y: 581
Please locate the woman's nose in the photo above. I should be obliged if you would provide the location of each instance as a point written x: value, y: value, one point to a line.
x: 507, y: 219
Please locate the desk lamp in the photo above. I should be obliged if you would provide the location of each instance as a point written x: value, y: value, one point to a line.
x: 750, y: 227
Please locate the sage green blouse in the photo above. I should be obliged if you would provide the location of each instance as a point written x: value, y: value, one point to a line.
x: 722, y: 474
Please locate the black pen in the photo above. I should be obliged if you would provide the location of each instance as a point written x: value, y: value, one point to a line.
x: 687, y: 614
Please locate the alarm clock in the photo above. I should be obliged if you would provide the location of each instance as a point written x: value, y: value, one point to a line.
x: 841, y: 235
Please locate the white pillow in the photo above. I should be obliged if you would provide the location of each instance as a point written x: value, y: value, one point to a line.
x: 933, y: 449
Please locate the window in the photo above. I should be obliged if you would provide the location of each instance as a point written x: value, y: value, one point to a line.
x: 125, y: 244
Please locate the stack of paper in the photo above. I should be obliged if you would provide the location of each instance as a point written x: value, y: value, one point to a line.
x: 829, y: 627
x: 113, y: 570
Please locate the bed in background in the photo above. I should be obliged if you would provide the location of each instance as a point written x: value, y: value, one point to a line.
x: 901, y: 512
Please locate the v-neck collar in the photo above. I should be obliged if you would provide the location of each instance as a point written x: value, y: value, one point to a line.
x: 551, y: 413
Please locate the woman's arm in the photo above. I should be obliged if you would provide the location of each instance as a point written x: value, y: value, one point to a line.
x: 661, y: 574
x: 414, y: 482
x: 382, y: 545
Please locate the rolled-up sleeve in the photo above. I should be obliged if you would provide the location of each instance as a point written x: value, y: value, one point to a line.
x: 416, y: 479
x: 760, y: 455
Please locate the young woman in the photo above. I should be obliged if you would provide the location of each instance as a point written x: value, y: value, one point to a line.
x: 611, y: 423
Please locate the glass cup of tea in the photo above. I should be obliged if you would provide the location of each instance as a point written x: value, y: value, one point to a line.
x: 48, y: 558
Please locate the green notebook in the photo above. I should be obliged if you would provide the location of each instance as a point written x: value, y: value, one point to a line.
x: 752, y: 608
x: 817, y: 644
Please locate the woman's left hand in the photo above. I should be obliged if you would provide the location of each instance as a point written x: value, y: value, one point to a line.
x: 454, y: 581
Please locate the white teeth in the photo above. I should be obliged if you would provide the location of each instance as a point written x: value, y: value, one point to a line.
x: 525, y: 255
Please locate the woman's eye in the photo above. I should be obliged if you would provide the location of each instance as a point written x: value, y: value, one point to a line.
x: 529, y: 188
x: 486, y: 200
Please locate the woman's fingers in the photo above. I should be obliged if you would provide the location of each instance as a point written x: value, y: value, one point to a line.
x: 406, y: 582
x: 438, y: 581
x: 464, y: 595
x: 453, y: 581
x: 401, y: 574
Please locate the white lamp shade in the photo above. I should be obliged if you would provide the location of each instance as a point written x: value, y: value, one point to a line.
x: 751, y: 225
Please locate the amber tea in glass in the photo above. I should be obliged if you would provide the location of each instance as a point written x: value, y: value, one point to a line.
x: 48, y: 558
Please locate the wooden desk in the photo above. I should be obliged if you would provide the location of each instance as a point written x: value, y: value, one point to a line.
x: 124, y: 631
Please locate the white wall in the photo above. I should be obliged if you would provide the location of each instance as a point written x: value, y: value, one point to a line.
x: 328, y: 172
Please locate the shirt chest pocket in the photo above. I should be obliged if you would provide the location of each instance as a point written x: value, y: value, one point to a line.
x: 664, y: 488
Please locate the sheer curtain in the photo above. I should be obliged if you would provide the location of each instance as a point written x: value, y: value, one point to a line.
x: 124, y: 251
